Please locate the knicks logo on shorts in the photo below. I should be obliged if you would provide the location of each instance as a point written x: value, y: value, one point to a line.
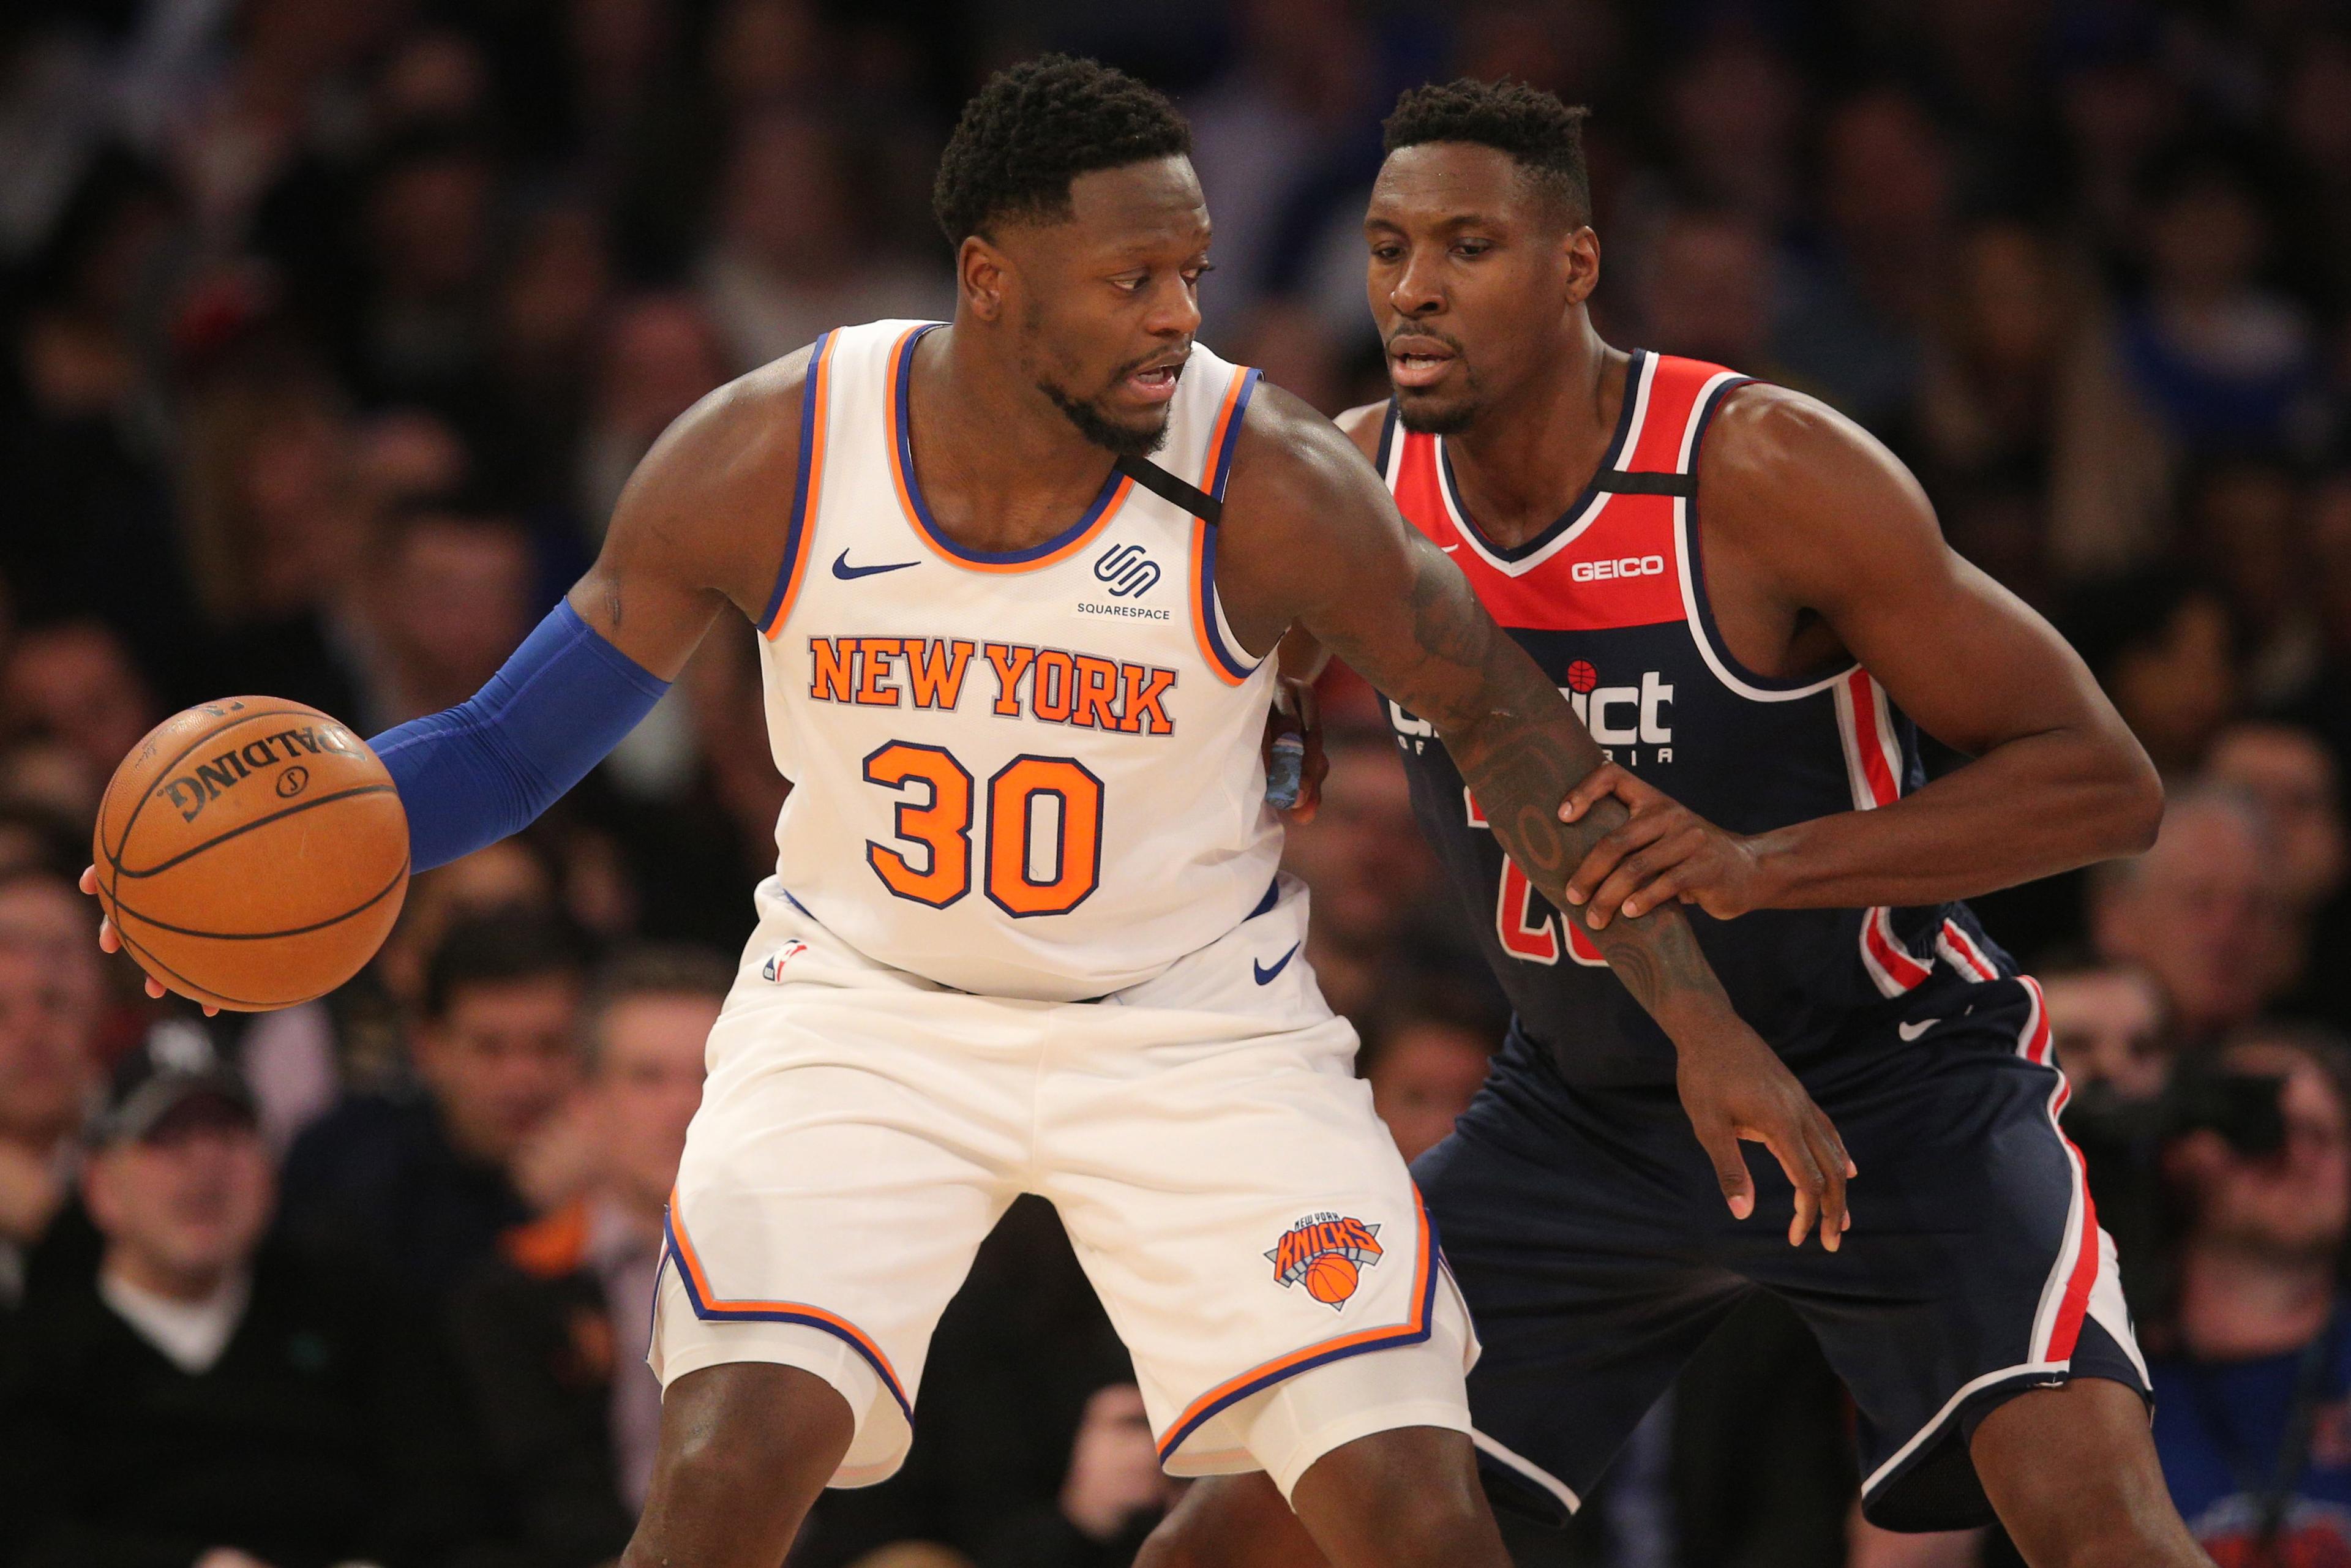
x: 1327, y: 1253
x: 781, y: 956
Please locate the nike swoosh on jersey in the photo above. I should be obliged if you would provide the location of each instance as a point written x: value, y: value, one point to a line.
x: 1265, y: 976
x: 846, y: 572
x: 1910, y: 1031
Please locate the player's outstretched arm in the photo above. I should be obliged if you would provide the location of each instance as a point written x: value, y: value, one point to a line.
x: 1830, y: 522
x: 700, y: 524
x: 1311, y: 538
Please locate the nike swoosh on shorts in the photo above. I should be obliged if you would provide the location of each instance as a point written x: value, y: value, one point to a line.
x: 1265, y: 976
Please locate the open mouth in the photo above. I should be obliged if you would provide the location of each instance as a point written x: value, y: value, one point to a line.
x: 1154, y: 381
x: 1418, y: 362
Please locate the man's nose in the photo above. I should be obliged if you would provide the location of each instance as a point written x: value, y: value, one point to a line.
x: 1417, y: 292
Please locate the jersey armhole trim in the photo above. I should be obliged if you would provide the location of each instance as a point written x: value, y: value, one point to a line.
x: 806, y: 488
x: 1697, y: 609
x: 1225, y: 658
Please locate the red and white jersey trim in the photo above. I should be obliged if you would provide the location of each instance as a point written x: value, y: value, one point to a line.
x: 1874, y: 765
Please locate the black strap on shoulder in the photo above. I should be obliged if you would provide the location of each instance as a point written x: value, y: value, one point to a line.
x: 1623, y: 484
x: 1172, y: 490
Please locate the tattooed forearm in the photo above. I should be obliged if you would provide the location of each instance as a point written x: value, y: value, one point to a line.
x: 1520, y: 749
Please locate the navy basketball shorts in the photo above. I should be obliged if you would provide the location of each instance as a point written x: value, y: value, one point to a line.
x: 1588, y: 1234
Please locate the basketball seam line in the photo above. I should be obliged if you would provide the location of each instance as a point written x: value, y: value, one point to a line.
x: 115, y: 853
x: 370, y: 901
x: 222, y: 998
x: 160, y: 866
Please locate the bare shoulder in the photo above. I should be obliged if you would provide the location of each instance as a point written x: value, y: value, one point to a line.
x: 1778, y: 462
x: 1363, y: 427
x: 708, y: 505
x: 1289, y: 455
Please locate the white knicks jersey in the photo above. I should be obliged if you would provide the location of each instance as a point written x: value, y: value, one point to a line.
x: 1033, y: 774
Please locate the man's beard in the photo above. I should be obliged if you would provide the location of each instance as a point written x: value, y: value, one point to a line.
x: 1441, y: 419
x: 1119, y: 439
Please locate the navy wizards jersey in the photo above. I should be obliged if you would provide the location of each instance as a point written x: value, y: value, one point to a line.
x: 1610, y: 601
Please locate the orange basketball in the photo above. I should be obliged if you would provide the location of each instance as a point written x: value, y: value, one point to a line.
x: 1330, y: 1277
x: 252, y: 853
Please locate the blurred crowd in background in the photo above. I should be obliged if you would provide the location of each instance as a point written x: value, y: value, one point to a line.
x: 330, y: 330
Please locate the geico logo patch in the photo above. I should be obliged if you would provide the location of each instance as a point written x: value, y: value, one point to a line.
x: 1623, y: 566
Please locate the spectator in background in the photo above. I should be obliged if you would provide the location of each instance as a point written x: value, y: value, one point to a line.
x: 553, y: 1333
x: 1705, y: 290
x: 48, y: 1072
x: 452, y: 598
x: 2161, y: 640
x: 2220, y: 359
x: 200, y: 1399
x: 1425, y: 1060
x: 279, y: 524
x: 2252, y: 1369
x: 419, y: 1188
x: 661, y: 355
x: 793, y: 257
x: 2110, y: 1035
x: 2199, y: 912
x: 1861, y: 300
x: 2245, y: 532
x: 2287, y: 772
x: 1372, y: 874
x: 75, y: 682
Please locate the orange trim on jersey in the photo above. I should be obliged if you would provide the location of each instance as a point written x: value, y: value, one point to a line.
x: 1105, y: 506
x: 1217, y: 435
x: 803, y: 524
x: 1203, y: 569
x: 1413, y: 1330
x: 708, y: 1304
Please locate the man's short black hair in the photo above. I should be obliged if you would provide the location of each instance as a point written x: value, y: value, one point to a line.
x: 1543, y: 135
x: 1038, y: 126
x: 500, y: 947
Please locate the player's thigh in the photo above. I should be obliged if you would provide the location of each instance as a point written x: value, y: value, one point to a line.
x: 1974, y: 1272
x: 1564, y: 1219
x: 850, y: 1154
x: 1247, y: 1222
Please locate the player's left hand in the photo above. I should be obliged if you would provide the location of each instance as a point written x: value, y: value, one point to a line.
x: 110, y: 940
x: 1295, y: 712
x: 1664, y: 850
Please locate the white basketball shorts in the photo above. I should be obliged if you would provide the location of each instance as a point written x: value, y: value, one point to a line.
x: 1243, y: 1216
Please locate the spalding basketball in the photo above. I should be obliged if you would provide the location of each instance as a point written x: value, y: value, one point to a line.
x: 251, y: 854
x: 1330, y: 1279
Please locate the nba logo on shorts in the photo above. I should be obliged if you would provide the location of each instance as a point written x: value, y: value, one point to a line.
x: 781, y: 956
x: 1327, y: 1253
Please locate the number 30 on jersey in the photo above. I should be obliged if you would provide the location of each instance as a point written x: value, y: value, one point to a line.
x: 1021, y: 796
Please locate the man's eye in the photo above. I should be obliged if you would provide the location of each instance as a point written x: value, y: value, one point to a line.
x: 1386, y: 252
x: 1473, y: 247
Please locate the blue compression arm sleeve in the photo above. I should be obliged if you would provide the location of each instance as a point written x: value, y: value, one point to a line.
x: 470, y: 774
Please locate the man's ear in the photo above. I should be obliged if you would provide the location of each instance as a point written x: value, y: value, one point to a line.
x: 1583, y: 249
x: 983, y: 275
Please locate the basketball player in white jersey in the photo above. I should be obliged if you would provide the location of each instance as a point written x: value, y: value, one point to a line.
x: 1016, y: 577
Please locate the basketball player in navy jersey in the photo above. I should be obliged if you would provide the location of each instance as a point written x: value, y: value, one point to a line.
x: 1760, y: 681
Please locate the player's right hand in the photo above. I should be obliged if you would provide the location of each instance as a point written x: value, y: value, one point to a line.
x: 1734, y: 1088
x: 110, y: 940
